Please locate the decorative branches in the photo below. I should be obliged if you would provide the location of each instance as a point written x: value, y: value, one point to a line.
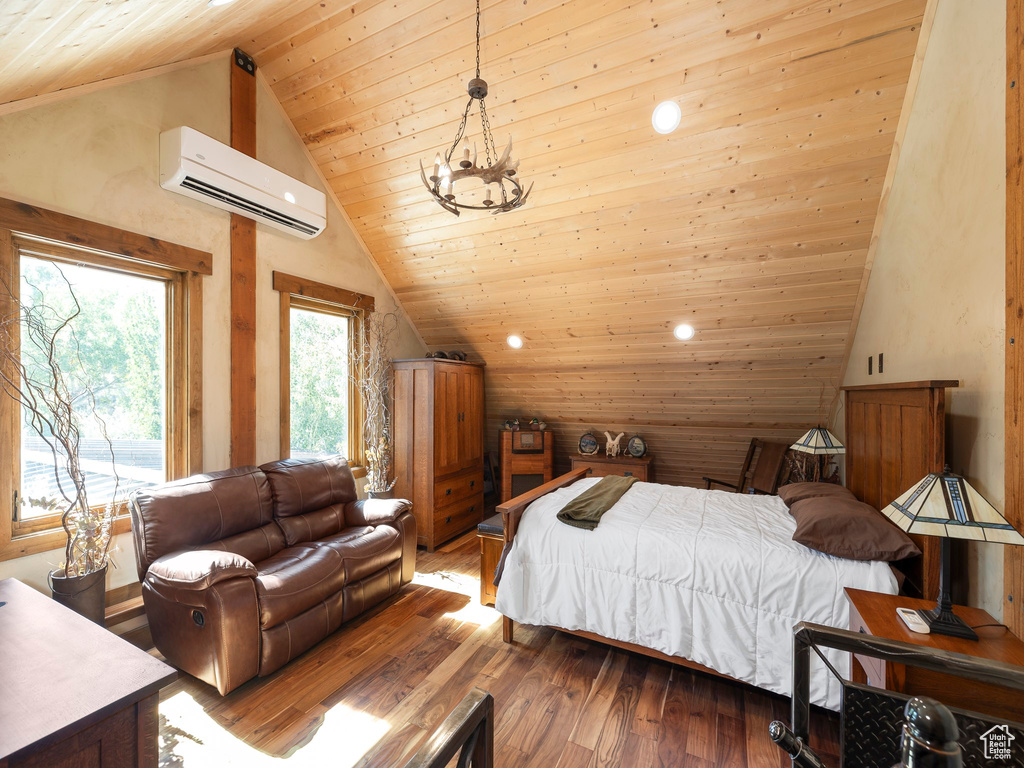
x: 41, y: 371
x: 372, y: 376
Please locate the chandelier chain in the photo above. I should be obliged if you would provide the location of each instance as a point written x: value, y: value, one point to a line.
x: 478, y: 39
x: 489, y: 147
x: 458, y: 134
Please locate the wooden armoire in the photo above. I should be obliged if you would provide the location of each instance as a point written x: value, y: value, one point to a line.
x: 439, y: 445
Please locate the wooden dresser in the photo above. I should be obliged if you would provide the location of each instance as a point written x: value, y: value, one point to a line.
x: 439, y: 445
x: 600, y: 465
x: 71, y: 692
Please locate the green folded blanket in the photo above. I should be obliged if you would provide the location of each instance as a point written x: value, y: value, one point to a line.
x: 587, y: 509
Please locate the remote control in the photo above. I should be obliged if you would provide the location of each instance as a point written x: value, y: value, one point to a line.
x: 913, y: 620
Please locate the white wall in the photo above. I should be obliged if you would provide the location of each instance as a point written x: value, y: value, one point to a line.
x: 96, y: 156
x: 934, y: 304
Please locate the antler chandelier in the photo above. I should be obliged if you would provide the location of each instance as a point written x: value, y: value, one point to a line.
x: 499, y: 172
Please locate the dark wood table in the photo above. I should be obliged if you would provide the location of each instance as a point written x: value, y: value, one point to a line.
x: 71, y: 692
x: 874, y: 613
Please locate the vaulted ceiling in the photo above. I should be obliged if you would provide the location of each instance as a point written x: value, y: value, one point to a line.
x: 752, y: 221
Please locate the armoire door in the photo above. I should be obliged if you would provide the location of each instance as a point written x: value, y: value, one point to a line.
x: 447, y: 419
x: 471, y: 417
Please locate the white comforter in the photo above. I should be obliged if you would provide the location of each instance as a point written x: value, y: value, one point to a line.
x: 711, y: 576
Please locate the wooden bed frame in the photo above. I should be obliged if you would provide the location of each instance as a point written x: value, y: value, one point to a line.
x: 895, y: 435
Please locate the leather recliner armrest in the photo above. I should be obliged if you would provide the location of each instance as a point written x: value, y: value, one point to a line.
x: 197, y: 570
x: 375, y: 511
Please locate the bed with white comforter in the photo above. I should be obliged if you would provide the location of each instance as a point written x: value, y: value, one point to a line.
x: 711, y: 576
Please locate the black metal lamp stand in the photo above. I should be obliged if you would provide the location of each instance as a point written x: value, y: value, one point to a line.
x: 941, y: 620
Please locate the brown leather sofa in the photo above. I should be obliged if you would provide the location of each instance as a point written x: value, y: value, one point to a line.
x: 243, y: 570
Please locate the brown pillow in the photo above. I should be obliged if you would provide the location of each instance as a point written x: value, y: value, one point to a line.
x: 848, y: 528
x: 795, y: 492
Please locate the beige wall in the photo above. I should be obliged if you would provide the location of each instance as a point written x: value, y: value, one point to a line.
x: 934, y: 304
x: 96, y: 156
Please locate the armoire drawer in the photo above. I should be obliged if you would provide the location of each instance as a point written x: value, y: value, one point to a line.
x: 448, y: 490
x: 456, y: 518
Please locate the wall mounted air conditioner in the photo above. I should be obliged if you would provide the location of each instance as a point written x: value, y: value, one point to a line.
x: 194, y: 165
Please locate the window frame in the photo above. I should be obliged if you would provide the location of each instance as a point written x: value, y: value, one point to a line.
x: 301, y: 293
x: 57, y: 237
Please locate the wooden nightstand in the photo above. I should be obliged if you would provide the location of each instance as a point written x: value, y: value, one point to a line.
x: 874, y: 613
x: 601, y: 465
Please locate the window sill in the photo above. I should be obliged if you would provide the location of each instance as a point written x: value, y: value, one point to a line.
x: 48, y: 541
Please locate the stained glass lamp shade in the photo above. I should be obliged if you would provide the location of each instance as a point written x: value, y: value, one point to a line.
x: 820, y: 442
x: 948, y: 506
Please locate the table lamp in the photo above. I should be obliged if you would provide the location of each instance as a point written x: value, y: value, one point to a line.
x: 819, y: 442
x: 946, y: 505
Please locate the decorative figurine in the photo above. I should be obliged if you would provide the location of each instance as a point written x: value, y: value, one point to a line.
x: 542, y: 426
x: 611, y: 448
x: 535, y: 424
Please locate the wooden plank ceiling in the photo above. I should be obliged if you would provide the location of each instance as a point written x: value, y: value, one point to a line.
x: 751, y: 222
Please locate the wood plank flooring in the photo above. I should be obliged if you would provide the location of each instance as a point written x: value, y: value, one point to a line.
x: 371, y: 693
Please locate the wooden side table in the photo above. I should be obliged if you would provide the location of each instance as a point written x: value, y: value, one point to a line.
x: 874, y: 613
x: 601, y: 465
x: 73, y: 693
x: 492, y: 541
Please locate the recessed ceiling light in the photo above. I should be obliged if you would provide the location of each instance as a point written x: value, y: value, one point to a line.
x: 217, y: 3
x: 666, y: 117
x: 683, y: 331
x: 515, y: 342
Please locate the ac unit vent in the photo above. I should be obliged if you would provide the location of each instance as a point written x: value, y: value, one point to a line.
x: 255, y: 209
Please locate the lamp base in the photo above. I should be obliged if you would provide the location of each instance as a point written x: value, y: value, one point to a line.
x: 945, y: 622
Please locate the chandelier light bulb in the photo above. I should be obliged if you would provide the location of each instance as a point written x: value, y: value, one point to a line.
x: 666, y: 117
x: 684, y: 332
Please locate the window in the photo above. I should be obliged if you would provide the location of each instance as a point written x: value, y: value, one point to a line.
x: 319, y: 390
x: 321, y: 412
x: 130, y: 356
x: 122, y: 350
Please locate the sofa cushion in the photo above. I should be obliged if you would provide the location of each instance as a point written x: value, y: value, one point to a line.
x: 313, y: 526
x: 306, y: 485
x: 256, y: 545
x: 366, y: 554
x: 295, y: 579
x: 186, y: 514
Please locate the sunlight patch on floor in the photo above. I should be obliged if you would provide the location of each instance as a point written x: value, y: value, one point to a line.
x: 190, y: 738
x: 461, y: 584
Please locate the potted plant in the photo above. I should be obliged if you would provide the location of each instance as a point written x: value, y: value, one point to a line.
x: 372, y: 374
x: 41, y: 370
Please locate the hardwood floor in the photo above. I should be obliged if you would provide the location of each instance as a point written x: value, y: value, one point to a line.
x: 371, y: 693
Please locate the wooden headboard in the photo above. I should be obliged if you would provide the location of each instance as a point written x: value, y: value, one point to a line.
x: 895, y: 435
